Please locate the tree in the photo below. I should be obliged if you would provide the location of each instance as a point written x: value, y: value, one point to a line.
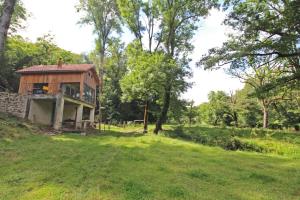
x: 178, y: 27
x: 142, y: 18
x: 191, y: 112
x: 144, y: 76
x: 221, y: 109
x: 104, y: 16
x: 18, y: 17
x: 20, y: 53
x: 287, y: 113
x: 178, y: 109
x: 5, y: 20
x: 219, y: 102
x: 247, y: 107
x: 259, y: 76
x: 204, y: 113
x: 132, y: 12
x: 169, y: 27
x: 115, y: 70
x: 268, y: 28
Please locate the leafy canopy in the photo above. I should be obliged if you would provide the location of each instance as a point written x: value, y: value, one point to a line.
x: 261, y: 28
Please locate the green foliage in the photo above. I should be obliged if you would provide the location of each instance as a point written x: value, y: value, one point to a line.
x: 179, y: 23
x: 144, y: 77
x: 262, y: 102
x: 19, y: 16
x: 21, y: 53
x: 104, y: 16
x: 115, y: 69
x: 255, y: 140
x: 124, y: 164
x: 131, y: 15
x: 178, y: 110
x: 264, y: 28
x: 264, y: 53
x: 220, y: 110
x: 191, y: 112
x: 176, y: 22
x: 248, y: 108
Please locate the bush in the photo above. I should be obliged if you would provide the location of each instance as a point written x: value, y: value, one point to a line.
x: 226, y: 141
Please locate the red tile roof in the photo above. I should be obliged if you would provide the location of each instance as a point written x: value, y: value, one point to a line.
x: 56, y: 69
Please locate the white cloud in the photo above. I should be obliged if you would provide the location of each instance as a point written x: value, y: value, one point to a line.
x: 60, y: 18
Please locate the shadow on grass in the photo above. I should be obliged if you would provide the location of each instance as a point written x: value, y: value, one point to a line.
x: 256, y: 140
x: 116, y: 165
x: 117, y: 133
x: 130, y: 166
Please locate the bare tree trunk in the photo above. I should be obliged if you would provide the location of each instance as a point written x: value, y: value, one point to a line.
x: 266, y: 117
x: 146, y: 117
x: 163, y: 115
x: 5, y: 19
x: 100, y: 88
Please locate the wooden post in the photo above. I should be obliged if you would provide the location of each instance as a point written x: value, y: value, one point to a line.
x: 146, y: 118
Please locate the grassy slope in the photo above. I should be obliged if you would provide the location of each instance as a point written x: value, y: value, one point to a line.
x: 132, y: 166
x: 259, y: 140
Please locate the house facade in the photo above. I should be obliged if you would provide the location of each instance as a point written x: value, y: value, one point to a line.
x: 63, y: 96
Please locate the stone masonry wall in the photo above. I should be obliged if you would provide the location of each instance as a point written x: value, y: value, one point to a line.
x: 13, y: 103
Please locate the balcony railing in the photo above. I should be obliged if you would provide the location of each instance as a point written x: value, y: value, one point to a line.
x: 52, y: 89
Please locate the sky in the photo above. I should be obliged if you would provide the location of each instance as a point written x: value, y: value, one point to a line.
x: 60, y: 18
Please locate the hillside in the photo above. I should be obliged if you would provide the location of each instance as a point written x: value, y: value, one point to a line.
x: 123, y: 164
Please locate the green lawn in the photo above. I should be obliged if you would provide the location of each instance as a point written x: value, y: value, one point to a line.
x: 123, y: 164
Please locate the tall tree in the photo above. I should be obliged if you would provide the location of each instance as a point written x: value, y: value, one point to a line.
x: 142, y: 18
x: 103, y: 15
x: 169, y: 26
x: 115, y: 70
x: 259, y: 73
x: 144, y: 76
x: 262, y: 29
x: 5, y: 19
x: 179, y: 23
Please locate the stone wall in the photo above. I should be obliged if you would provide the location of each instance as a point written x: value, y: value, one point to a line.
x: 13, y: 103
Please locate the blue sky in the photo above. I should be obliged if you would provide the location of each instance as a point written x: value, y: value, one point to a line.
x: 60, y: 19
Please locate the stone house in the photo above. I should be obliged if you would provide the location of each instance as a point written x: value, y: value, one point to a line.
x: 63, y: 96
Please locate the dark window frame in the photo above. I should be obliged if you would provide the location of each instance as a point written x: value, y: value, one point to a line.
x: 38, y: 88
x: 71, y: 89
x: 88, y: 94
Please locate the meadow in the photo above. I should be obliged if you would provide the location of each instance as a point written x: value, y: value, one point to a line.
x: 180, y: 163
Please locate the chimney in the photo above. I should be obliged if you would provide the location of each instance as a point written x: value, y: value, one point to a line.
x: 59, y: 63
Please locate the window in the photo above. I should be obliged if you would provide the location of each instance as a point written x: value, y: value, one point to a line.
x: 40, y: 88
x: 71, y: 90
x: 88, y: 94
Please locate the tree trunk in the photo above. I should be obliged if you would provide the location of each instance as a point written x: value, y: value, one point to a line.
x: 235, y: 118
x: 216, y: 121
x: 5, y: 19
x: 146, y: 117
x: 100, y: 87
x: 163, y: 115
x: 266, y: 116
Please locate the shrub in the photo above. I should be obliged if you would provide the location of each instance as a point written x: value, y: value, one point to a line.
x: 255, y: 140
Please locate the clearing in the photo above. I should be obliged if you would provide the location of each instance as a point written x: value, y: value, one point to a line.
x: 123, y: 164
